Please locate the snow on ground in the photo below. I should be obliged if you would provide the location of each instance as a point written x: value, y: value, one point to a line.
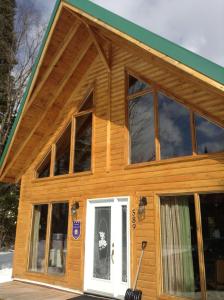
x: 6, y: 266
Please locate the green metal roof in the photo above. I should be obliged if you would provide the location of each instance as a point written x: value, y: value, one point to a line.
x: 178, y: 53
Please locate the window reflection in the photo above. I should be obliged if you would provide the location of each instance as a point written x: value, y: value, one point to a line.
x: 83, y: 143
x: 174, y: 128
x: 38, y: 240
x: 141, y: 129
x: 209, y: 136
x: 58, y: 240
x: 135, y: 85
x: 44, y: 168
x: 63, y: 153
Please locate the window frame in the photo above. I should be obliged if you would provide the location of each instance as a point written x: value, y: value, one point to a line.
x: 156, y: 88
x: 71, y: 121
x: 48, y: 236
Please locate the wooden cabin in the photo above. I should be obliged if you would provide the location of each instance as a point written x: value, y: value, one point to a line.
x: 119, y: 139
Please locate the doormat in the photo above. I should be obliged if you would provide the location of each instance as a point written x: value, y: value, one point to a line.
x: 90, y: 297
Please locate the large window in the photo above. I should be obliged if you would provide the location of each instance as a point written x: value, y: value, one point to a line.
x: 174, y: 128
x: 141, y: 127
x: 38, y: 238
x: 209, y: 136
x: 72, y: 152
x: 160, y: 127
x: 193, y: 225
x: 49, y: 218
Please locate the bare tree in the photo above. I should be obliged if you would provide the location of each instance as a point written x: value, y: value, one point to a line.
x: 28, y: 29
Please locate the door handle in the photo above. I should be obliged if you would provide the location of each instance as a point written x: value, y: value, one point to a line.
x: 112, y: 253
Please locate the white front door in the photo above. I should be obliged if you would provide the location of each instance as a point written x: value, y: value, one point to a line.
x: 107, y: 246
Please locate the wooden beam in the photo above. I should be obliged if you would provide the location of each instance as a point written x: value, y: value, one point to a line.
x: 99, y: 48
x: 72, y: 32
x: 67, y: 76
x: 96, y: 42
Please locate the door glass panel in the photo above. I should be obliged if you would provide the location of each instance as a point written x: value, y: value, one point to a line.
x: 37, y: 247
x: 124, y: 243
x: 212, y: 216
x: 102, y: 241
x: 58, y: 241
x: 180, y: 265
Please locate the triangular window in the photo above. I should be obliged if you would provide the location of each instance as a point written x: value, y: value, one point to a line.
x: 88, y: 103
x: 44, y: 168
x: 209, y: 136
x: 135, y: 85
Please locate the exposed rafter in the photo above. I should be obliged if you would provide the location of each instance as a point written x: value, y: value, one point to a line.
x: 96, y: 41
x: 68, y: 38
x: 66, y: 78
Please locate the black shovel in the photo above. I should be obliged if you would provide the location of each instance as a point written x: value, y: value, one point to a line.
x: 133, y: 294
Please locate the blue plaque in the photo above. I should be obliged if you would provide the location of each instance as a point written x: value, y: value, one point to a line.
x: 76, y: 229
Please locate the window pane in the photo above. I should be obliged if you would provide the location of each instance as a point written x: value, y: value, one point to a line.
x: 62, y: 157
x: 58, y: 241
x: 209, y: 136
x: 141, y: 129
x: 174, y: 128
x: 83, y: 143
x: 38, y: 239
x: 88, y: 103
x: 44, y: 169
x: 135, y: 85
x: 212, y: 212
x: 179, y: 247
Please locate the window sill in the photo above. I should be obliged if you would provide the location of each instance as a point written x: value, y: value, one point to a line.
x: 58, y: 177
x: 45, y: 274
x: 173, y: 160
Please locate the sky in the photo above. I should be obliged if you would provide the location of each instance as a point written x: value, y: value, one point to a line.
x: 197, y: 25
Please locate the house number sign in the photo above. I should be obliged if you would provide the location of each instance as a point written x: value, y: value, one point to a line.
x: 133, y: 219
x: 76, y: 229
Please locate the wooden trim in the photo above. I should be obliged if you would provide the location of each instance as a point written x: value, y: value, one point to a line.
x: 200, y: 246
x: 139, y: 94
x: 158, y: 244
x: 126, y: 127
x: 108, y: 142
x: 156, y: 125
x: 53, y: 158
x: 193, y: 133
x: 48, y: 106
x: 72, y: 146
x: 70, y: 35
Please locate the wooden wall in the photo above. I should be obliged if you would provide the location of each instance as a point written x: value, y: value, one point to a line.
x: 113, y: 178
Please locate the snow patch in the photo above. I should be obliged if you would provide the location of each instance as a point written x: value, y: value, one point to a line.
x: 5, y: 275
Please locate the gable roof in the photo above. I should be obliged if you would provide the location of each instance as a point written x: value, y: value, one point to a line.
x: 162, y: 45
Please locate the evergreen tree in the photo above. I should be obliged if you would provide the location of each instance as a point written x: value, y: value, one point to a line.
x: 7, y: 58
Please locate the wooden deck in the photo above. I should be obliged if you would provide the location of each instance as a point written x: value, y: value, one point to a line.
x: 16, y: 290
